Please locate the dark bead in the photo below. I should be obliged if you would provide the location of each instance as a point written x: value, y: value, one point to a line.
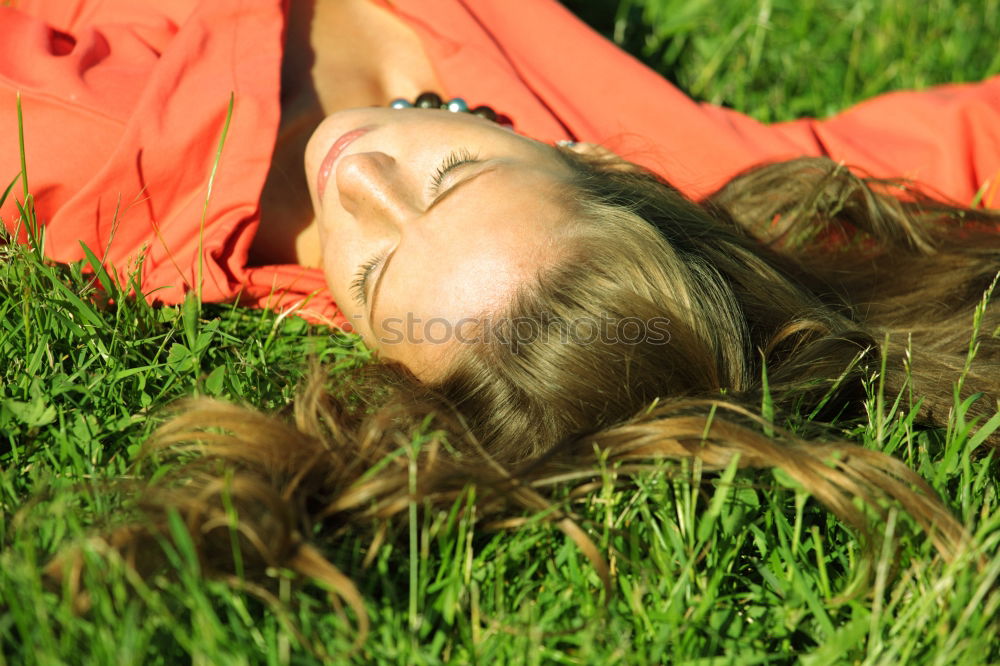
x: 428, y: 100
x: 504, y: 120
x: 485, y: 112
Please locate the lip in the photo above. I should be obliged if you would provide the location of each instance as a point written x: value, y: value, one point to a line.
x: 326, y: 167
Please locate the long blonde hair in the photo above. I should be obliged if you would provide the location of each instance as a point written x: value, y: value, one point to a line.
x: 661, y: 330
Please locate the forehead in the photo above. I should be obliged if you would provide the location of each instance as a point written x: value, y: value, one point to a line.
x: 466, y: 256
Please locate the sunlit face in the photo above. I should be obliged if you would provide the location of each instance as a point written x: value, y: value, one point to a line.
x: 428, y: 220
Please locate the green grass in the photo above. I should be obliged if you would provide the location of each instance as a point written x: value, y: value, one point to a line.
x: 723, y: 568
x: 782, y: 59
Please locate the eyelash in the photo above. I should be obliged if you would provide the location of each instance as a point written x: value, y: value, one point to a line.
x: 455, y: 159
x: 360, y: 281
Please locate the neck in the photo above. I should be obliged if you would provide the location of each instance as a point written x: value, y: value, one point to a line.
x: 338, y: 55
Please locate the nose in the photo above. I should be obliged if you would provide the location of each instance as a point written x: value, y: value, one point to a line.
x: 372, y: 187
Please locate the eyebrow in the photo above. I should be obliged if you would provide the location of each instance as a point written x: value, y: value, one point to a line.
x: 377, y: 282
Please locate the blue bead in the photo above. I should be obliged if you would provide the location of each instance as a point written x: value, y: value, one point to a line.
x: 400, y: 103
x: 458, y: 105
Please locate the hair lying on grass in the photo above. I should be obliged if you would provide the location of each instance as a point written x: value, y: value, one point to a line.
x: 794, y: 283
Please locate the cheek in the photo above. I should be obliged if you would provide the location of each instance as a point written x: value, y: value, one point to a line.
x: 336, y: 270
x: 321, y: 229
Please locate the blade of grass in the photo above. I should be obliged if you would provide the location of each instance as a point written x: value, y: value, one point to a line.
x: 208, y: 196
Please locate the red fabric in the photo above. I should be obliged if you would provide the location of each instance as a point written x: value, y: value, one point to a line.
x: 124, y: 104
x: 947, y: 137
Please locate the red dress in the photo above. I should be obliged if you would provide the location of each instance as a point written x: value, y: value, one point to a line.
x: 124, y: 104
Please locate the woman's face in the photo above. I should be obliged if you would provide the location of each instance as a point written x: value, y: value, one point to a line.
x: 429, y: 219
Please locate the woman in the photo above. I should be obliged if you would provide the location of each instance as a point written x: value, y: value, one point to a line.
x: 568, y: 302
x: 125, y: 104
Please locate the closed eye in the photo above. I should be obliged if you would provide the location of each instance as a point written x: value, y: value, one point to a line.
x: 359, y: 285
x: 456, y: 159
